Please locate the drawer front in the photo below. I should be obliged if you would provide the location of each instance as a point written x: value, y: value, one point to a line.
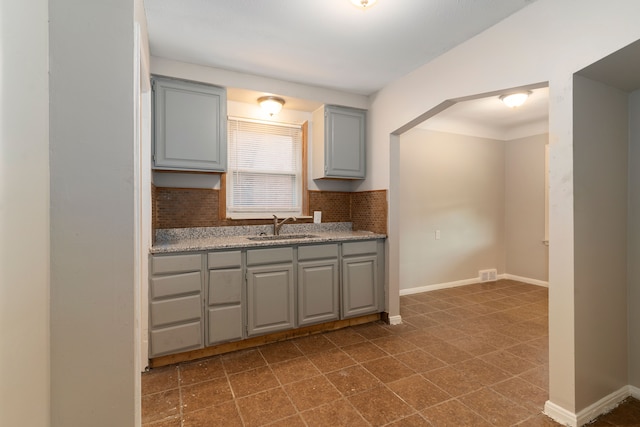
x: 225, y: 286
x: 224, y: 259
x: 317, y: 252
x: 358, y: 248
x: 175, y: 310
x: 176, y: 263
x: 269, y: 256
x: 176, y: 338
x: 225, y: 324
x: 177, y: 284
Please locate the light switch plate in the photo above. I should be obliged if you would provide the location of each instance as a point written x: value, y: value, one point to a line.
x: 317, y: 217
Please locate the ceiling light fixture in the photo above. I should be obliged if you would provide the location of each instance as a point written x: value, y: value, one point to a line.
x: 364, y: 3
x: 514, y: 100
x: 271, y: 104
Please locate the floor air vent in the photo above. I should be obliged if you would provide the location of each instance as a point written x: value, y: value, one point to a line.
x: 488, y: 275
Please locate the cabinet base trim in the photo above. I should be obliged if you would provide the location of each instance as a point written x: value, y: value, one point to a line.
x: 260, y: 340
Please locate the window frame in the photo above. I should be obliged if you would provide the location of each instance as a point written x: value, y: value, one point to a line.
x: 304, y: 178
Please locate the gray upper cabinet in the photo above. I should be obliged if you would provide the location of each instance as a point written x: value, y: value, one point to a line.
x: 339, y: 140
x: 190, y: 126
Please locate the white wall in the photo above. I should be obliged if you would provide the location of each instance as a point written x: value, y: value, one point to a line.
x: 633, y: 233
x: 526, y: 255
x: 455, y: 184
x: 526, y: 48
x: 24, y: 214
x: 600, y: 192
x: 92, y: 138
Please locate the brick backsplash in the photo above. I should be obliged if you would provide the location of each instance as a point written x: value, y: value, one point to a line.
x: 185, y: 207
x: 191, y: 207
x: 334, y: 205
x: 369, y: 211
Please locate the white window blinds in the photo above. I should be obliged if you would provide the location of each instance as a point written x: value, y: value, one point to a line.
x: 265, y: 168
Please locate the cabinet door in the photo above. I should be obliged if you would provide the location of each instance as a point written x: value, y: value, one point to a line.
x: 345, y: 142
x: 270, y: 304
x: 317, y: 291
x: 190, y: 126
x: 225, y: 324
x: 360, y: 286
x: 224, y: 311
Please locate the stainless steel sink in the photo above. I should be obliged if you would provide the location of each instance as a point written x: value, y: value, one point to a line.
x: 282, y: 237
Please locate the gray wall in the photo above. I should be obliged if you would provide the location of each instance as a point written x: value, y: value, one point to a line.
x: 633, y: 266
x: 486, y: 197
x: 600, y: 246
x: 526, y: 255
x: 455, y: 184
x: 93, y: 364
x: 24, y: 214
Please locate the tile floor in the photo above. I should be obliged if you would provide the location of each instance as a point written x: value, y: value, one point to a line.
x: 469, y: 356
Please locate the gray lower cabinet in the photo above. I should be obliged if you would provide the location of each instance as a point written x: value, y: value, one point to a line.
x: 224, y: 297
x: 270, y: 291
x: 318, y: 284
x: 175, y: 312
x: 198, y: 299
x: 361, y: 293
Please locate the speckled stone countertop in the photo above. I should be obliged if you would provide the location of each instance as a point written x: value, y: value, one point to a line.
x: 212, y: 238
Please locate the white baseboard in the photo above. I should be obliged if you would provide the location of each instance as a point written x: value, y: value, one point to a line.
x: 591, y: 412
x: 437, y: 286
x: 526, y: 280
x: 395, y: 320
x: 559, y: 414
x: 464, y: 282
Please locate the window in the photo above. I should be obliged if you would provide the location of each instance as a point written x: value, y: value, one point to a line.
x: 265, y: 171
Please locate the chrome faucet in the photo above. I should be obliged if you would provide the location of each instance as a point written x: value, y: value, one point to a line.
x: 278, y: 225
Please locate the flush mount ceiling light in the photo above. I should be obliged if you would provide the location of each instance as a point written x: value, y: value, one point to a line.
x: 514, y: 100
x: 271, y: 104
x: 364, y: 3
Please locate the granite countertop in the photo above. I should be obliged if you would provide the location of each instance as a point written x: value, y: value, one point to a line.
x: 212, y: 238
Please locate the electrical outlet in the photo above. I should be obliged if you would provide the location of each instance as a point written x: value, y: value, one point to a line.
x: 437, y: 234
x: 317, y: 217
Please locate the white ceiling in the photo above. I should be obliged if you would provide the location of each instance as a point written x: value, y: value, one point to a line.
x: 326, y: 43
x: 333, y: 44
x: 488, y: 117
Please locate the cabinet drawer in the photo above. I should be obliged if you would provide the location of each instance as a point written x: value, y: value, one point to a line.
x: 175, y: 310
x: 176, y: 263
x: 360, y: 247
x: 317, y: 252
x: 225, y: 324
x: 176, y: 284
x: 225, y: 286
x: 224, y: 259
x: 269, y: 256
x: 176, y: 338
